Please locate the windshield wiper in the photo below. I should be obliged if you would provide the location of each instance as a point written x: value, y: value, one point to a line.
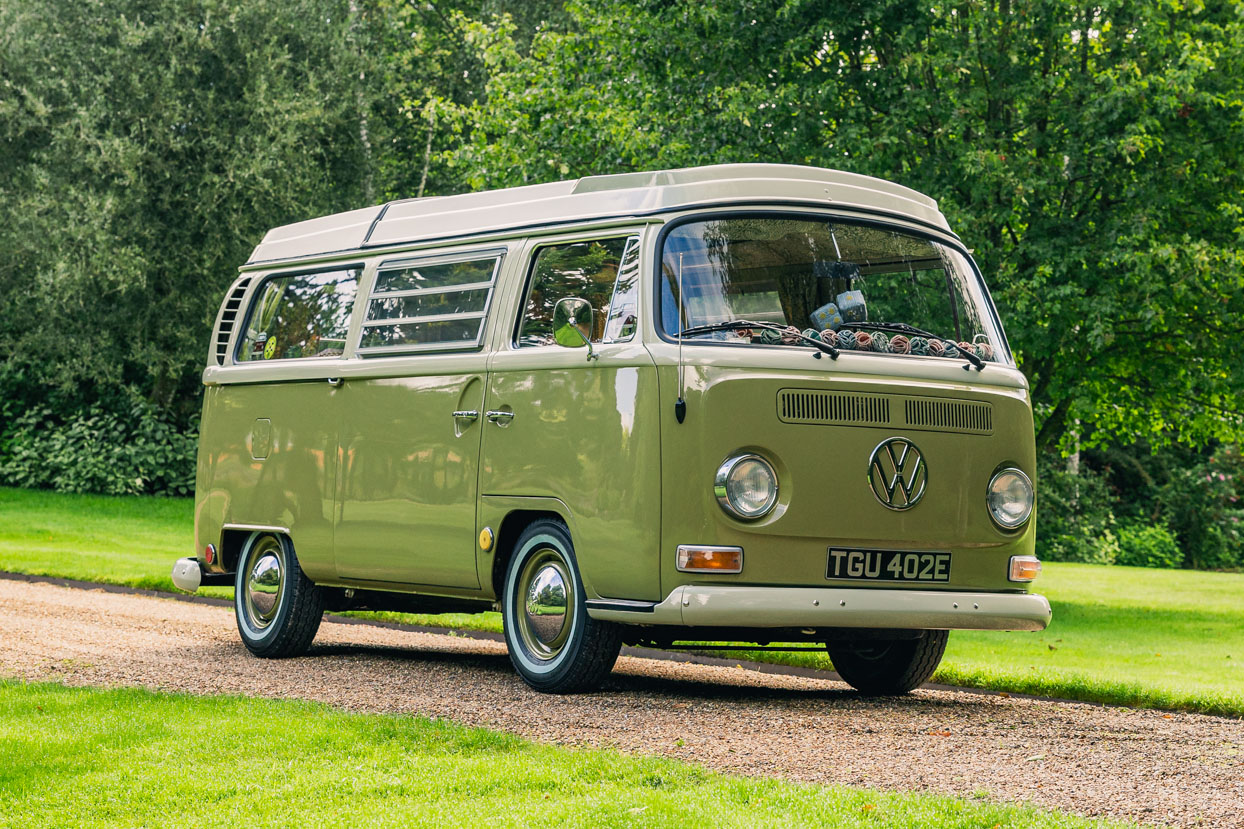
x: 735, y: 325
x: 904, y: 328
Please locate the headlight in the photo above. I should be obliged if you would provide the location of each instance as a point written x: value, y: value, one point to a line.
x: 746, y: 486
x: 1009, y: 498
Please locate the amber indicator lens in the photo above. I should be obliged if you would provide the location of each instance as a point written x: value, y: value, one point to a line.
x: 710, y: 559
x: 1024, y: 568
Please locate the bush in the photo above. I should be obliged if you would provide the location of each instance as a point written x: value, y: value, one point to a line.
x: 1202, y: 506
x: 1074, y: 520
x: 1148, y: 546
x: 111, y: 453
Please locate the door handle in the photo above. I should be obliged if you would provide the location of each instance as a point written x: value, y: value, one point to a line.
x: 468, y: 415
x: 497, y: 416
x: 334, y: 381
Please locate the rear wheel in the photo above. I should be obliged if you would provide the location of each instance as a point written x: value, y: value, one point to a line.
x: 277, y: 607
x: 554, y: 645
x: 888, y: 666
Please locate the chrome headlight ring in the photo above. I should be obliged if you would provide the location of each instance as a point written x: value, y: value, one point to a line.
x: 746, y: 486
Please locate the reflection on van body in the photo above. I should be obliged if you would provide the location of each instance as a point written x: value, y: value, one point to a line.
x: 654, y: 408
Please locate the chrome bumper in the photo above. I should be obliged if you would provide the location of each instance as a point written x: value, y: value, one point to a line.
x: 774, y: 607
x: 187, y: 575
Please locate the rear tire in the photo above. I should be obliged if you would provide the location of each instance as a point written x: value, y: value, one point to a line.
x: 277, y: 607
x: 554, y: 645
x: 888, y: 666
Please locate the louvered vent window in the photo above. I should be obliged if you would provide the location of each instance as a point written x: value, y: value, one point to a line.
x: 961, y: 416
x: 429, y: 305
x: 229, y: 318
x: 796, y: 406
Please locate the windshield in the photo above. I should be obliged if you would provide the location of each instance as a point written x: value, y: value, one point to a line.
x: 855, y: 286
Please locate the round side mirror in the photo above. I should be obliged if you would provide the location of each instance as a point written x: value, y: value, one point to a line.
x: 572, y: 322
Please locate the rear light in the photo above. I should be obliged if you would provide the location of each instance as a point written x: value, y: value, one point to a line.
x: 697, y: 559
x: 1024, y: 568
x: 209, y: 553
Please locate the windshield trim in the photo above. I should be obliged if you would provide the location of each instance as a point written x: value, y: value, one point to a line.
x: 871, y: 220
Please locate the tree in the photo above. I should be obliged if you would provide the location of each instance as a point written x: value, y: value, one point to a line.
x: 147, y: 146
x: 1093, y: 156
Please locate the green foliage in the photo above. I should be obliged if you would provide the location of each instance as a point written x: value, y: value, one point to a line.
x: 1092, y: 155
x: 114, y: 453
x: 1202, y: 505
x: 1148, y: 546
x: 1074, y: 517
x: 147, y: 146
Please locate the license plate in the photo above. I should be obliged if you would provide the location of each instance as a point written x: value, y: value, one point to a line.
x: 888, y: 565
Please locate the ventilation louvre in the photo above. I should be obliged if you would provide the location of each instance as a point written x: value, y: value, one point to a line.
x: 949, y: 415
x: 228, y: 318
x: 830, y: 408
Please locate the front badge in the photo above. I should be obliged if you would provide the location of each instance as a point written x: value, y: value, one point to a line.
x: 897, y: 474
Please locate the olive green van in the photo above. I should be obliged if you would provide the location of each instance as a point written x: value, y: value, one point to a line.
x: 748, y: 403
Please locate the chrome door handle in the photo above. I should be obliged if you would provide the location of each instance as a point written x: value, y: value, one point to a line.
x: 495, y: 416
x: 466, y: 415
x: 334, y: 381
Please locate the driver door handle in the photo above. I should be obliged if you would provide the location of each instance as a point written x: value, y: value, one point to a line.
x: 496, y: 416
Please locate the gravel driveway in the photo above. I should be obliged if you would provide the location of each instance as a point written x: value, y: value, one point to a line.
x: 1180, y: 769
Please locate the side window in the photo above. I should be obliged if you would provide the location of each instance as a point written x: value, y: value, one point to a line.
x: 423, y: 307
x: 605, y: 272
x: 300, y: 316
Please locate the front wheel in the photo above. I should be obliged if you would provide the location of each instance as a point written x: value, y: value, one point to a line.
x: 277, y: 607
x: 554, y: 645
x: 888, y: 666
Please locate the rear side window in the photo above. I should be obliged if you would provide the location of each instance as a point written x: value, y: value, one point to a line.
x: 605, y: 272
x: 424, y: 306
x: 300, y: 316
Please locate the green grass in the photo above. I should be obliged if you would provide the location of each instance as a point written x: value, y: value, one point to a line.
x: 88, y: 757
x: 1158, y: 638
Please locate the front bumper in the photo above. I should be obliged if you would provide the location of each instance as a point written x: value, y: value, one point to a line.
x: 780, y: 607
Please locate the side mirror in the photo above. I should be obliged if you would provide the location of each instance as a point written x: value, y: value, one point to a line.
x: 572, y: 324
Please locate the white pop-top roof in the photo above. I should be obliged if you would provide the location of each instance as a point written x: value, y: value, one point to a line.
x: 586, y: 199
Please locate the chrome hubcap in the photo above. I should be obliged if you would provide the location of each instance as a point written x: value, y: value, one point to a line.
x: 263, y: 585
x: 547, y: 596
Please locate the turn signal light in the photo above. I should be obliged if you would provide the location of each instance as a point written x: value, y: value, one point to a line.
x: 694, y: 559
x: 1024, y: 568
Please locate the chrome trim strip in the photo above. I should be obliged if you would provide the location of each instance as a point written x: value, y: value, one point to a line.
x: 624, y: 605
x: 469, y: 315
x: 258, y: 528
x: 447, y: 289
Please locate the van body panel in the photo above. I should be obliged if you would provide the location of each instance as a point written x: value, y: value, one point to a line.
x: 406, y: 505
x: 825, y: 500
x: 583, y: 432
x: 292, y: 486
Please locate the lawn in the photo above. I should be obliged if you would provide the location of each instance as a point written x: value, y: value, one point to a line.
x: 1161, y: 638
x: 90, y: 757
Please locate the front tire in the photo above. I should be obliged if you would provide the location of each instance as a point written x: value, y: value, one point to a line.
x: 277, y: 607
x: 553, y: 643
x: 888, y: 666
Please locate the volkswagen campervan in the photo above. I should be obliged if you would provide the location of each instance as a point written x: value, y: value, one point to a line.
x: 744, y: 403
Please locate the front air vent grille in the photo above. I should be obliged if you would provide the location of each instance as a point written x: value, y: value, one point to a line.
x: 228, y: 318
x: 830, y: 408
x: 933, y: 414
x: 949, y: 415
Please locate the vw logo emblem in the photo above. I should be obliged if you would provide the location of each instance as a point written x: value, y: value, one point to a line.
x: 897, y: 474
